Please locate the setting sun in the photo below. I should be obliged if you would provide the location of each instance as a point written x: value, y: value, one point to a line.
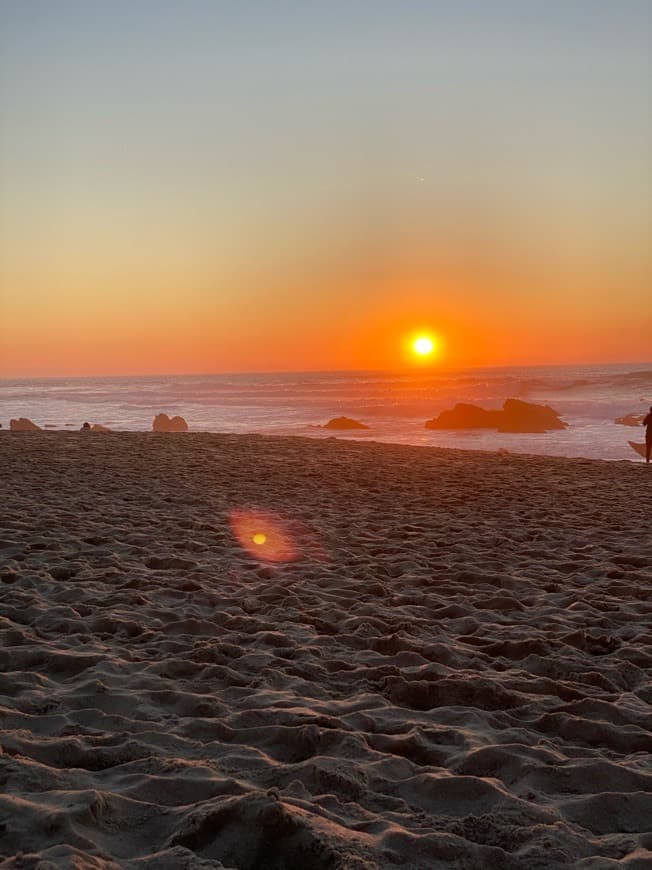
x: 423, y: 345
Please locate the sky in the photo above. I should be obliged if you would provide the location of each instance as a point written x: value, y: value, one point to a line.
x: 211, y: 186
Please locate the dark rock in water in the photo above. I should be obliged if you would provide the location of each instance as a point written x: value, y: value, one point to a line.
x: 515, y: 416
x: 344, y: 423
x: 630, y: 420
x: 163, y: 423
x: 23, y: 425
x: 96, y: 427
x: 464, y: 416
x: 521, y: 416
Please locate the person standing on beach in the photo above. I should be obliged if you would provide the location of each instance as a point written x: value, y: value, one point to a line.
x: 647, y: 422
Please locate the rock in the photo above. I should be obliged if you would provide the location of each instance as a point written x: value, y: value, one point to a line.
x: 630, y: 420
x: 96, y: 427
x: 465, y: 416
x: 344, y: 423
x: 163, y: 423
x: 23, y: 425
x: 515, y: 416
x: 521, y: 416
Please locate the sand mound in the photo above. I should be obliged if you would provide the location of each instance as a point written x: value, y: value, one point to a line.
x: 457, y: 677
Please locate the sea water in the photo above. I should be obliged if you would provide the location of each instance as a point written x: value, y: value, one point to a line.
x: 394, y: 405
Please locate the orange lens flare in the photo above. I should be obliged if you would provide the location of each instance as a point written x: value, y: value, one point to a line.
x: 264, y: 535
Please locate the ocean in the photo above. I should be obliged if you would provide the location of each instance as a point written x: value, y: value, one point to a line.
x: 394, y: 405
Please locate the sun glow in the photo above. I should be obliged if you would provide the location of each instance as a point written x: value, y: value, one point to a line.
x: 423, y: 345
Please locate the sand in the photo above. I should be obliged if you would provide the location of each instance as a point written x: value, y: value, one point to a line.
x: 453, y: 673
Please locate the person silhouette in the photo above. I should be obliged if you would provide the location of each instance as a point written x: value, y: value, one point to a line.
x: 647, y: 422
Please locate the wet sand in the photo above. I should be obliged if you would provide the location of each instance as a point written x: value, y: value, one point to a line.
x: 454, y: 671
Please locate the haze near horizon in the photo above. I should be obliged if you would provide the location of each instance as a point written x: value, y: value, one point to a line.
x: 207, y: 187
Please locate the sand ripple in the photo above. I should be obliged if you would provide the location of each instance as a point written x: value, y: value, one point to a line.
x: 455, y: 673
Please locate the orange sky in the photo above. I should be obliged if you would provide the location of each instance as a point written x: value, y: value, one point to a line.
x: 183, y: 210
x: 326, y: 308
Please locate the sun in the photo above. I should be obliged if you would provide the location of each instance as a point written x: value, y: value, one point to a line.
x: 423, y: 345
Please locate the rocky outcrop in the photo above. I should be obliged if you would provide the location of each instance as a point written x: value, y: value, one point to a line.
x: 163, y: 423
x: 515, y: 416
x: 23, y: 425
x: 344, y: 423
x: 630, y: 420
x: 96, y: 427
x: 464, y: 416
x: 527, y: 417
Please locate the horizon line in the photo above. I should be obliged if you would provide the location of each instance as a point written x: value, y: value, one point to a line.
x: 251, y: 372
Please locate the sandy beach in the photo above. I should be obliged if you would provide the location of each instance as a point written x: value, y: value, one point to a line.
x: 222, y: 651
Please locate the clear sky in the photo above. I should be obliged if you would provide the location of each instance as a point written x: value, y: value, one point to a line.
x: 206, y: 185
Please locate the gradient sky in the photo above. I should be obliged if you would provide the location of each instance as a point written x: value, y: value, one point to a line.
x: 205, y: 185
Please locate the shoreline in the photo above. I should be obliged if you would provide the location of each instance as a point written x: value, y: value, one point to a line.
x: 330, y: 653
x: 396, y: 407
x: 327, y: 436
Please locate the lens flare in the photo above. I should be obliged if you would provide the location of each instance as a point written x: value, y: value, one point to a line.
x: 273, y: 537
x: 264, y: 535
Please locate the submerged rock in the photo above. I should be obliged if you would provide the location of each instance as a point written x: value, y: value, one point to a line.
x: 344, y: 423
x: 163, y: 423
x: 23, y: 425
x: 630, y: 420
x: 515, y: 416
